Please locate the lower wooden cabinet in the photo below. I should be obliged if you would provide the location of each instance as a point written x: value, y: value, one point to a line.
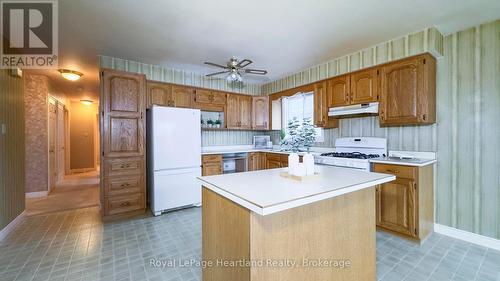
x: 405, y: 206
x: 256, y: 161
x: 118, y: 205
x: 211, y: 165
x: 276, y: 160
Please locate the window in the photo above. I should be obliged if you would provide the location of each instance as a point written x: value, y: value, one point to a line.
x: 300, y: 106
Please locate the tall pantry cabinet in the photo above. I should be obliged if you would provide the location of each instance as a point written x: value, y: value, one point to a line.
x: 123, y: 151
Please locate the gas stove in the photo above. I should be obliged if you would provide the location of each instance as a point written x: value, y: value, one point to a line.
x: 354, y: 152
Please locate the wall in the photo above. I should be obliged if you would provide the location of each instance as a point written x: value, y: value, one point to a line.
x: 466, y: 136
x: 12, y: 148
x: 36, y: 122
x: 82, y: 122
x: 235, y: 137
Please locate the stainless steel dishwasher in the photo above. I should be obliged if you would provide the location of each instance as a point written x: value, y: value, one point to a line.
x: 234, y: 163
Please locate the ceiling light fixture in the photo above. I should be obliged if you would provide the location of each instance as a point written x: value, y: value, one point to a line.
x: 70, y: 75
x: 86, y: 102
x: 234, y: 76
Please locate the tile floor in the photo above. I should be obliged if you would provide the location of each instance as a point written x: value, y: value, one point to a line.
x: 75, y: 245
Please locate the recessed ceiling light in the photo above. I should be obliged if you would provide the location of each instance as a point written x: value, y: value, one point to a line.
x: 70, y: 74
x: 86, y: 102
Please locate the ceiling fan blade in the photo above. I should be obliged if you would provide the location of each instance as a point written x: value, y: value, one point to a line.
x: 217, y: 73
x: 244, y: 63
x: 216, y: 65
x: 255, y: 71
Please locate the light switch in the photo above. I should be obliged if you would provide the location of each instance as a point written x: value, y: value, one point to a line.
x: 4, y: 129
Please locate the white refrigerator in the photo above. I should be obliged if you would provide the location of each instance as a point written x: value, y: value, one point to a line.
x: 174, y: 158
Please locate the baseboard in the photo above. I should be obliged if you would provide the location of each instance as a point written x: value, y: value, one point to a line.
x: 82, y: 170
x: 36, y: 194
x: 477, y: 239
x: 8, y: 229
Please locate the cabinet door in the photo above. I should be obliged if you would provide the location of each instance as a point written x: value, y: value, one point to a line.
x: 320, y: 106
x: 159, y: 94
x: 396, y: 206
x: 338, y: 89
x: 203, y: 96
x: 123, y: 105
x: 245, y: 112
x: 182, y: 96
x: 233, y: 112
x: 218, y: 98
x: 260, y: 113
x: 273, y: 164
x: 212, y: 168
x: 365, y: 86
x: 402, y: 84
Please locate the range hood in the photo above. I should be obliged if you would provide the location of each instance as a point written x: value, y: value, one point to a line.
x: 365, y: 108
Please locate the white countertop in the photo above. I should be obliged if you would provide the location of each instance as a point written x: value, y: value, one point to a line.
x: 266, y: 192
x: 416, y: 162
x: 249, y: 148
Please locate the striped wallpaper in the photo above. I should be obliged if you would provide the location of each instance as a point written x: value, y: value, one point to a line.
x: 11, y: 148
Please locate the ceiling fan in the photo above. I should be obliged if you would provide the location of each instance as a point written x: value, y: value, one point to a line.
x: 234, y: 68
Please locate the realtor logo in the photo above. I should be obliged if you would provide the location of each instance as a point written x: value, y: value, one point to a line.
x: 29, y: 34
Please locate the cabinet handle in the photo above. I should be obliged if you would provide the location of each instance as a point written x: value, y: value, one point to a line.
x: 392, y: 171
x: 125, y: 185
x: 123, y: 166
x: 125, y: 204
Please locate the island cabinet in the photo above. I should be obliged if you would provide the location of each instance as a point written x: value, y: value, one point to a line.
x: 211, y: 165
x: 256, y: 161
x: 408, y: 92
x: 260, y: 113
x: 239, y: 112
x: 209, y: 100
x: 321, y: 118
x: 168, y: 95
x: 123, y: 131
x: 405, y: 206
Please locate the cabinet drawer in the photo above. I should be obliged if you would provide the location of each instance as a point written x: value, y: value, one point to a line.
x: 397, y: 170
x: 124, y: 203
x: 123, y: 185
x: 123, y: 166
x: 212, y: 158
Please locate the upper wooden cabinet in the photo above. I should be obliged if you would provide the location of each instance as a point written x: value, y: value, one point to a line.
x: 182, y: 96
x: 159, y: 94
x: 365, y: 86
x: 209, y: 100
x: 338, y: 91
x: 321, y: 118
x: 123, y: 105
x: 169, y: 95
x: 408, y: 92
x: 260, y: 113
x: 239, y: 111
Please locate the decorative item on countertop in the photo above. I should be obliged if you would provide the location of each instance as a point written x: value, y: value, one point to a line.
x: 269, y: 145
x: 300, y: 135
x: 300, y: 171
x: 293, y: 163
x: 308, y: 160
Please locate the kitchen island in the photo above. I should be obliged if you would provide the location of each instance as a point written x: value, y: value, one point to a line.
x: 263, y: 226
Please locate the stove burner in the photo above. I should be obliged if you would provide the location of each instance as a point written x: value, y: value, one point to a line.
x: 356, y: 155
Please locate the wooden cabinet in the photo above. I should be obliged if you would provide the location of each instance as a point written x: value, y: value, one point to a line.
x: 209, y: 100
x: 276, y: 160
x: 365, y: 86
x: 321, y: 118
x: 256, y: 161
x: 405, y: 206
x: 211, y: 165
x: 182, y: 96
x: 338, y: 91
x: 408, y: 92
x: 260, y: 113
x: 169, y: 95
x: 239, y: 111
x: 123, y: 105
x: 159, y: 94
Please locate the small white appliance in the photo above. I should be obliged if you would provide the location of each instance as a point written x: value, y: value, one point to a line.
x: 354, y: 152
x: 261, y: 141
x: 174, y: 158
x: 366, y: 108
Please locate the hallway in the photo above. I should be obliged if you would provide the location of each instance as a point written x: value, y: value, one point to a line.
x: 73, y: 192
